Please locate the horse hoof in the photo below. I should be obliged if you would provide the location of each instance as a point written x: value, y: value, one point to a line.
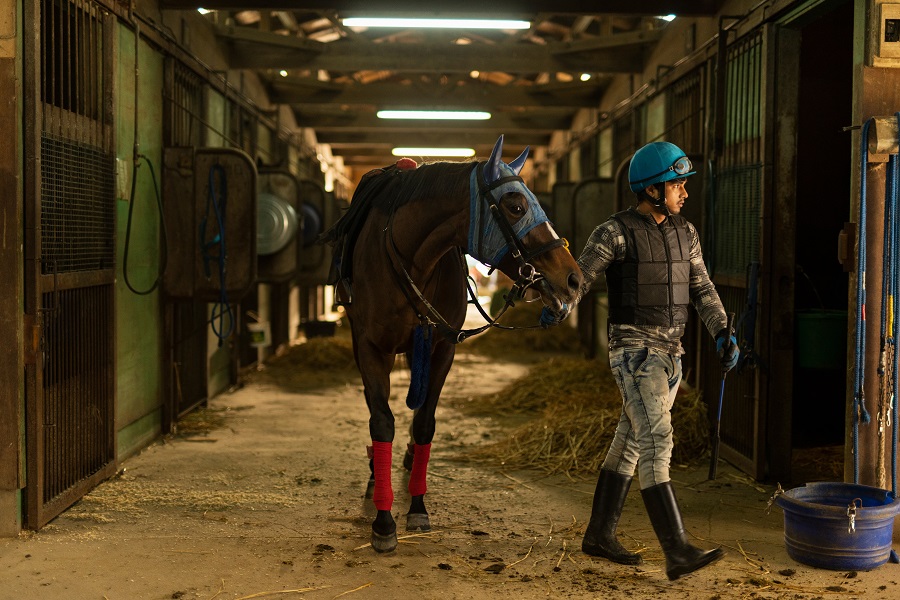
x: 418, y: 522
x: 384, y: 543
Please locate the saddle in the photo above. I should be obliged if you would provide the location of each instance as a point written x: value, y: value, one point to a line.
x: 343, y: 234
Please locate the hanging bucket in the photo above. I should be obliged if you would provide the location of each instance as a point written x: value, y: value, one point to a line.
x: 260, y: 334
x: 838, y: 525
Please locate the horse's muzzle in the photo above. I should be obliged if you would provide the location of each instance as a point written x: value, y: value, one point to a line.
x: 548, y: 296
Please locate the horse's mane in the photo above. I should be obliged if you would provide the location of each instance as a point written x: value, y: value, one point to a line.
x: 386, y: 189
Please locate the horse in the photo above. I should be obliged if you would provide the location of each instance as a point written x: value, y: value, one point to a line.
x: 399, y: 271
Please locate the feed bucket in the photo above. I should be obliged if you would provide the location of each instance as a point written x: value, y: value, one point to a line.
x: 838, y: 525
x: 260, y: 334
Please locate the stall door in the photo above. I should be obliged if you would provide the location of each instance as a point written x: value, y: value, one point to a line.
x: 733, y: 241
x: 70, y: 255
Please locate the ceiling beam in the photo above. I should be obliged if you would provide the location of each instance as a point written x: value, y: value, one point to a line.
x: 251, y: 48
x: 474, y: 95
x: 496, y: 8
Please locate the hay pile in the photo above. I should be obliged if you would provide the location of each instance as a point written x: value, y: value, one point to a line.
x: 575, y: 406
x: 521, y: 344
x: 319, y: 362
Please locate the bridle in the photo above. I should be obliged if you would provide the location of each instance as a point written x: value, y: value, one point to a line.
x: 527, y: 274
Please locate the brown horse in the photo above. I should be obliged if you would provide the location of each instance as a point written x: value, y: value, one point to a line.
x: 401, y: 275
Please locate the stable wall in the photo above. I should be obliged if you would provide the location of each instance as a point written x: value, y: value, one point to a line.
x: 139, y: 396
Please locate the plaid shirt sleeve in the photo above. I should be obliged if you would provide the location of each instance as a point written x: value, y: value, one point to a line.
x: 703, y: 293
x: 605, y: 246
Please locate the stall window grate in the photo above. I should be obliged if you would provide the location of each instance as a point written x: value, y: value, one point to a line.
x: 186, y: 107
x: 77, y: 207
x: 685, y: 112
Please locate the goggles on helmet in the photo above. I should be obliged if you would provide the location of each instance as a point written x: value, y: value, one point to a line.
x: 681, y: 166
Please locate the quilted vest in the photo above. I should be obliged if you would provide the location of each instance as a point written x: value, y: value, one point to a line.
x: 652, y: 285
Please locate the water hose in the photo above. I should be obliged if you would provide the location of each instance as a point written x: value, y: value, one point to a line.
x: 138, y: 157
x: 217, y: 201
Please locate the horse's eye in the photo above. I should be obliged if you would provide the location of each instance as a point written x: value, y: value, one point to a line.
x: 516, y: 205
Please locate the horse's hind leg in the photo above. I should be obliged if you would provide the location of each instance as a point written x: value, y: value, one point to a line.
x: 423, y: 428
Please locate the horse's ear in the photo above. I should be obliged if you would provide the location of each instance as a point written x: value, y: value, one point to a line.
x: 492, y: 167
x: 517, y: 164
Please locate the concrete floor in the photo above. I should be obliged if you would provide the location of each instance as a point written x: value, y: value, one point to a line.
x: 267, y: 502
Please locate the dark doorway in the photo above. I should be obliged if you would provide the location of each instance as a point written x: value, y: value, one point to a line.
x: 823, y: 200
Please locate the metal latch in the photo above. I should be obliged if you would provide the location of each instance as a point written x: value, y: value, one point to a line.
x: 32, y: 332
x: 851, y: 514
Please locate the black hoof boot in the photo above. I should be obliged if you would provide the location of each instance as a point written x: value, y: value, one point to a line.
x: 417, y: 517
x: 600, y: 536
x: 681, y: 557
x: 384, y: 532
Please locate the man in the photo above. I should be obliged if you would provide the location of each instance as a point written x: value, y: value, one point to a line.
x: 654, y: 269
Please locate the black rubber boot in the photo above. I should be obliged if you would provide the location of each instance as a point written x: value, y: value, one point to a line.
x: 681, y: 557
x: 600, y: 536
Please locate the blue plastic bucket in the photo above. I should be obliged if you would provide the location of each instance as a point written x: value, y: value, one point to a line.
x: 818, y: 529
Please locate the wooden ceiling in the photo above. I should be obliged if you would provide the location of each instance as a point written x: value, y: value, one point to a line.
x: 336, y: 78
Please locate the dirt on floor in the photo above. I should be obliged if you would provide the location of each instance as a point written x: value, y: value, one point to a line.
x: 261, y: 495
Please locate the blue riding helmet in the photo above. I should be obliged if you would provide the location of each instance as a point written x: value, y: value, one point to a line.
x: 657, y: 162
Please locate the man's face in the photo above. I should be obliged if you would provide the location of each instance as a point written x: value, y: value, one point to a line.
x: 676, y: 194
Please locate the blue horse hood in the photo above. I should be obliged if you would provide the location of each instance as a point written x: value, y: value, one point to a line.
x: 486, y: 241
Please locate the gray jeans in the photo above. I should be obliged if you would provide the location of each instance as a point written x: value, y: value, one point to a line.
x: 648, y: 380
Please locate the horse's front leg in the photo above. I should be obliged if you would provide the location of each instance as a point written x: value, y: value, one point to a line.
x: 423, y: 427
x: 375, y: 369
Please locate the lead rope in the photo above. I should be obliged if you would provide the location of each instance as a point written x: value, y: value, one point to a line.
x: 895, y: 305
x: 886, y: 355
x: 859, y: 403
x: 894, y: 226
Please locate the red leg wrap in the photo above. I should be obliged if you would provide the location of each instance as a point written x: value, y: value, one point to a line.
x: 417, y: 485
x: 383, y: 494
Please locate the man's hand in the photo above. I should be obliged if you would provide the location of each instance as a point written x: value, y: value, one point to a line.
x: 727, y: 348
x: 550, y: 318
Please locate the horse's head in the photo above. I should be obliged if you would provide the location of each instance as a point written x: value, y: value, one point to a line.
x: 509, y: 230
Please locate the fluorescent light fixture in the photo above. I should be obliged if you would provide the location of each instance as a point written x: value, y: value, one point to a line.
x: 451, y: 115
x: 585, y: 76
x: 457, y: 152
x: 283, y: 73
x: 406, y: 23
x: 668, y: 18
x: 204, y: 11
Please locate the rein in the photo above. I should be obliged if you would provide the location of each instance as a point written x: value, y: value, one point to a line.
x: 527, y: 274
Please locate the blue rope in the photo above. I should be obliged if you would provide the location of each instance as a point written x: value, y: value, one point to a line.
x: 420, y: 367
x: 222, y: 309
x: 887, y: 279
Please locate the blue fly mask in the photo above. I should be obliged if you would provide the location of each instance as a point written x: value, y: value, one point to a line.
x: 490, y: 180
